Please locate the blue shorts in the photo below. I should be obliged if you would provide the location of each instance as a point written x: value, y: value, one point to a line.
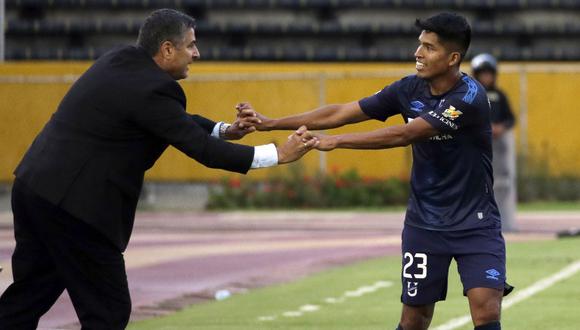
x: 427, y: 254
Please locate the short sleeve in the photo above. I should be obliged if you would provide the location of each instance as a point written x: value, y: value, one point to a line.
x: 382, y: 104
x: 452, y: 115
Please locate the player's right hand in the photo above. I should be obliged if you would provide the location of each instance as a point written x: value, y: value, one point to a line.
x: 248, y: 116
x: 298, y: 144
x: 325, y: 142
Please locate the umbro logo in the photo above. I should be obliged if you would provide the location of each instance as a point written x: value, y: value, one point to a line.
x: 492, y: 274
x: 417, y: 106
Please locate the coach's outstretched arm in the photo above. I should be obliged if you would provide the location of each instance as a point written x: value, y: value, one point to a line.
x: 384, y: 138
x: 325, y: 117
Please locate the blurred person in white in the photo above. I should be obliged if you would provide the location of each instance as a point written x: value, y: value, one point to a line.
x: 484, y: 67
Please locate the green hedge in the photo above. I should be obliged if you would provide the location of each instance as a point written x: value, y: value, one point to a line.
x: 349, y: 189
x: 298, y: 190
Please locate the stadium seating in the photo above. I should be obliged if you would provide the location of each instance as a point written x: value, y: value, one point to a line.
x: 302, y: 4
x: 294, y: 30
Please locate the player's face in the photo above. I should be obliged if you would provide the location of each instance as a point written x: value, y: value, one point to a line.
x: 183, y: 55
x: 432, y: 58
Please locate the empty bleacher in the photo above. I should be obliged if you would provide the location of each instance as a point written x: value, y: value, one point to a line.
x: 294, y: 30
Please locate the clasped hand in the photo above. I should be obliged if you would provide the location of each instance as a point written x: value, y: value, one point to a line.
x: 298, y: 144
x: 250, y: 119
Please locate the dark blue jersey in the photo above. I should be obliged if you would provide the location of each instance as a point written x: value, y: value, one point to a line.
x: 452, y: 178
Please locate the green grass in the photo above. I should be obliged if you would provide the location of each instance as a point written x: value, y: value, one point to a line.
x: 554, y: 308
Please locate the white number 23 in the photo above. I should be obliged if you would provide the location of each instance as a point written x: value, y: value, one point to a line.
x: 421, y: 265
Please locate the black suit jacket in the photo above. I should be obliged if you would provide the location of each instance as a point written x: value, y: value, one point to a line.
x: 111, y: 126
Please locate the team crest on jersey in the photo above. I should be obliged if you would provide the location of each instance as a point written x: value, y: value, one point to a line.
x: 452, y: 113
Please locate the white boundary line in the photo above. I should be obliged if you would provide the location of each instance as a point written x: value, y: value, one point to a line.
x: 309, y: 308
x: 521, y: 295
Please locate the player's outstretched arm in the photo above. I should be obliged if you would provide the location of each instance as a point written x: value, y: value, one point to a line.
x: 325, y: 117
x: 389, y: 137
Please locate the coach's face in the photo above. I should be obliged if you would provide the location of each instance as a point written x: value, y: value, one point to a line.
x: 432, y: 58
x: 180, y: 55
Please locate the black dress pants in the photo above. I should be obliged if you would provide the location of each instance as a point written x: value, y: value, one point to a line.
x: 56, y: 251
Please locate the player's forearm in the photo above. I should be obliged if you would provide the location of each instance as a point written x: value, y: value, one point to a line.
x: 390, y: 137
x: 325, y: 117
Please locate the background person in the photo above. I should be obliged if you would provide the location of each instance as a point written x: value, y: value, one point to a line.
x: 484, y: 67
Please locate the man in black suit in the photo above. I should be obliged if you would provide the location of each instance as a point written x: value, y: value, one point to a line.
x: 77, y: 187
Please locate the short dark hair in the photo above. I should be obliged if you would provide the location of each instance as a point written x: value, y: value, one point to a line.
x: 163, y: 25
x: 449, y: 27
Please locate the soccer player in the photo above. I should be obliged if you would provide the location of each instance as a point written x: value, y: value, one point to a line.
x: 451, y: 213
x: 484, y: 68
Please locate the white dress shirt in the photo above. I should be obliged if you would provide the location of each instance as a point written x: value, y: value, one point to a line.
x: 264, y: 156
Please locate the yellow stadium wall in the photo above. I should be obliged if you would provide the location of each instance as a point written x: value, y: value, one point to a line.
x: 30, y: 93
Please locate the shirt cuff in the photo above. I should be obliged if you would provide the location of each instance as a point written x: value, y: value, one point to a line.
x: 216, y: 130
x: 265, y: 156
